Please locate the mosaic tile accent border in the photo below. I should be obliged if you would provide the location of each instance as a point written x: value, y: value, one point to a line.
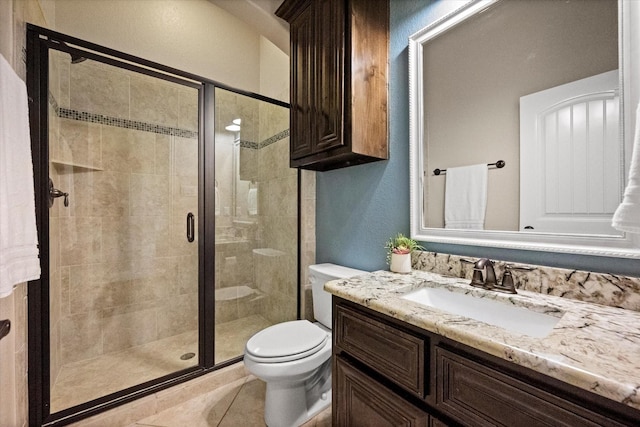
x: 252, y: 145
x: 82, y: 116
x: 259, y: 145
x: 275, y: 138
x: 67, y: 113
x: 598, y: 288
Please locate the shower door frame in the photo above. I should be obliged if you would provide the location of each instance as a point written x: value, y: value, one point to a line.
x: 39, y: 42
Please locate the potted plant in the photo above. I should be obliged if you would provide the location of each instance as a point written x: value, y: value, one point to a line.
x: 399, y: 250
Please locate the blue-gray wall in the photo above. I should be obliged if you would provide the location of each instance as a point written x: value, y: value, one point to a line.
x: 360, y: 207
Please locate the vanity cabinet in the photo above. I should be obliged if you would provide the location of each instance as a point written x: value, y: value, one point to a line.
x: 430, y: 380
x: 339, y: 62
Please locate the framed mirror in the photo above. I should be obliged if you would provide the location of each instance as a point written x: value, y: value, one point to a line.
x: 541, y: 92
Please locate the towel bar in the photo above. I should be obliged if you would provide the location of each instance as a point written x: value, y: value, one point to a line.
x: 499, y: 165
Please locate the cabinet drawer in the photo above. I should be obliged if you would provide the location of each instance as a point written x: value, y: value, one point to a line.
x: 396, y: 354
x: 365, y: 402
x: 480, y: 396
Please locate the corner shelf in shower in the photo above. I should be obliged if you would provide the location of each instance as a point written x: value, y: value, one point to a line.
x: 61, y: 163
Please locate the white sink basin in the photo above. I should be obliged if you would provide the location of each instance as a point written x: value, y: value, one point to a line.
x: 514, y: 319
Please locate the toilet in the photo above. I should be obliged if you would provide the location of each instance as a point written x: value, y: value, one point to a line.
x: 294, y: 358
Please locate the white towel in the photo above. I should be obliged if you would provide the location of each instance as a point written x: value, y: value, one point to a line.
x: 465, y: 197
x: 18, y: 236
x: 252, y: 201
x: 627, y: 216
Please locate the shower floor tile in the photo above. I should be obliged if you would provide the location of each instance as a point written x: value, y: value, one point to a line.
x: 231, y: 337
x: 86, y: 380
x: 90, y: 379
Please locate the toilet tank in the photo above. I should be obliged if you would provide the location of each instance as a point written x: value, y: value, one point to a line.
x: 319, y: 274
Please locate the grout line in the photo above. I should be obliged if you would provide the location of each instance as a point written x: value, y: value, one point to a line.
x: 234, y: 400
x: 148, y: 425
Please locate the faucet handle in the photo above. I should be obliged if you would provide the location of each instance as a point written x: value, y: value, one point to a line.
x: 510, y: 267
x: 508, y: 285
x: 477, y: 279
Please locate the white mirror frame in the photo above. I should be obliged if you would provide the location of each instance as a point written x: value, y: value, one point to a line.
x: 625, y: 246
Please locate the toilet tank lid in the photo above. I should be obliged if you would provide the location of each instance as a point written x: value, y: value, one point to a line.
x: 335, y: 271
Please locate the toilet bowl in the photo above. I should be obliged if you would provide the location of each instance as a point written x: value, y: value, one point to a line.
x: 294, y: 358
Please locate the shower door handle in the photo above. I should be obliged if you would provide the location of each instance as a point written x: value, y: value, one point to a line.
x: 190, y: 227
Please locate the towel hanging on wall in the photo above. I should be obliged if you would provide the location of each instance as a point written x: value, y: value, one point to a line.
x: 465, y: 197
x: 18, y: 236
x: 217, y: 199
x: 252, y: 201
x: 627, y: 215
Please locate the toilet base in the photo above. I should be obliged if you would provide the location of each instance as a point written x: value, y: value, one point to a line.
x: 292, y: 403
x: 288, y: 407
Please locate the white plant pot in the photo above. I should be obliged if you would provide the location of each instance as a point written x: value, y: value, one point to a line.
x: 400, y: 263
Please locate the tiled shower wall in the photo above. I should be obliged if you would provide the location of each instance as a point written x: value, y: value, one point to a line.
x: 259, y: 249
x: 237, y: 234
x: 278, y: 209
x: 122, y: 272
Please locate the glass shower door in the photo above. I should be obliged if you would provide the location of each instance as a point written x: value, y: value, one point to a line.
x: 256, y: 229
x: 123, y: 164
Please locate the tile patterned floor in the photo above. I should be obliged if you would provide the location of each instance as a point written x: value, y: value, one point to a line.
x: 240, y: 403
x: 86, y: 380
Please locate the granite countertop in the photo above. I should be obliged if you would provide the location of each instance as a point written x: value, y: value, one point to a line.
x: 594, y: 347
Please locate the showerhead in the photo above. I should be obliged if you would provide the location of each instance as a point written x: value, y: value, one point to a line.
x: 76, y: 59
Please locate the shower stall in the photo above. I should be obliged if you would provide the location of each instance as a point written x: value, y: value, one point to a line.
x: 168, y: 225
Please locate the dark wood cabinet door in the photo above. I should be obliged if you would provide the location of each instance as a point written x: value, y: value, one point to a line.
x: 329, y: 33
x: 434, y: 422
x: 317, y: 78
x: 360, y: 401
x: 338, y: 119
x: 477, y: 395
x: 394, y: 353
x: 302, y: 93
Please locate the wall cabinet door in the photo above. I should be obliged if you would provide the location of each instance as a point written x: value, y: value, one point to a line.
x: 302, y: 91
x: 329, y: 71
x: 339, y: 62
x: 317, y: 66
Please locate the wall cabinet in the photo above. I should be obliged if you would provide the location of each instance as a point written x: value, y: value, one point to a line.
x: 339, y: 66
x: 433, y: 381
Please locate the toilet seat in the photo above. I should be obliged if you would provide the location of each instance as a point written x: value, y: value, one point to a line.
x: 286, y: 341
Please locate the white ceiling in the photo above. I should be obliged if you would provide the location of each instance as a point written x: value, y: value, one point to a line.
x: 259, y: 14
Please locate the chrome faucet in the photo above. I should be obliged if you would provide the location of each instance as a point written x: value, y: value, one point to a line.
x: 486, y: 281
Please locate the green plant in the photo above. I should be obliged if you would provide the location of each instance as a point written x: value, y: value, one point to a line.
x: 401, y: 244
